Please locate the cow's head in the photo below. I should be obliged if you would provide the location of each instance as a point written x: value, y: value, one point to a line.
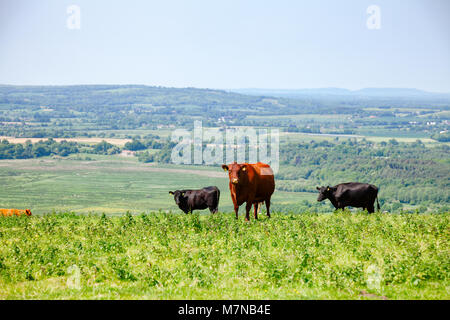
x: 236, y: 172
x: 324, y: 193
x: 28, y: 212
x: 179, y: 196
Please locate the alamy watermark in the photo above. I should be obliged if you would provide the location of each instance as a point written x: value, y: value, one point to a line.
x: 373, y: 277
x: 74, y: 277
x: 73, y: 21
x: 215, y: 146
x: 374, y: 20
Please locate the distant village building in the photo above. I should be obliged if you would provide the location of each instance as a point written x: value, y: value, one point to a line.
x: 162, y: 126
x: 128, y: 153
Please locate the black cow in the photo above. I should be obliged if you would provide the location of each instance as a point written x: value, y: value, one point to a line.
x: 354, y: 194
x: 189, y: 200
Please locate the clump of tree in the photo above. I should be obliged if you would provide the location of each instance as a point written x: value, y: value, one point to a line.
x: 41, y: 148
x: 135, y: 145
x: 64, y: 148
x: 441, y: 137
x: 407, y: 172
x: 146, y: 157
x: 162, y: 156
x: 105, y: 148
x: 148, y: 143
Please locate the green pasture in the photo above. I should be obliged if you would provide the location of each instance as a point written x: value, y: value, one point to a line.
x: 304, y: 117
x: 110, y: 184
x: 175, y: 256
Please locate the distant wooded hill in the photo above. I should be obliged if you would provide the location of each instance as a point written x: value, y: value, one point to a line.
x: 254, y: 101
x: 67, y: 111
x: 382, y: 93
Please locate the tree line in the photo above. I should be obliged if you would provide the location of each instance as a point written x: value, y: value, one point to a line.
x: 50, y: 147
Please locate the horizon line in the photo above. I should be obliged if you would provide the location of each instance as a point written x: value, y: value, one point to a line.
x: 225, y: 89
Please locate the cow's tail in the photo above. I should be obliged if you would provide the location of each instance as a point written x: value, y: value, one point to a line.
x: 218, y: 197
x: 378, y: 204
x: 258, y: 207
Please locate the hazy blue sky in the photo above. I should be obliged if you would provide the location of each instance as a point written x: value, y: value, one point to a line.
x: 227, y: 44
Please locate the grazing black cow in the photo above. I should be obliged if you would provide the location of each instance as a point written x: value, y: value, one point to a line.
x: 190, y: 200
x: 354, y: 194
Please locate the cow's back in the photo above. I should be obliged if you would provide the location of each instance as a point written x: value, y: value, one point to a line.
x: 356, y: 191
x: 263, y: 181
x: 203, y: 198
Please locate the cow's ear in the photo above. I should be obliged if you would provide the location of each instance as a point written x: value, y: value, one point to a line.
x: 244, y: 168
x: 328, y: 188
x: 318, y: 188
x: 170, y: 192
x: 182, y: 194
x: 225, y: 167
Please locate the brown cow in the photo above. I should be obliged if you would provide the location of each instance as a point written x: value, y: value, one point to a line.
x: 250, y: 183
x: 14, y: 212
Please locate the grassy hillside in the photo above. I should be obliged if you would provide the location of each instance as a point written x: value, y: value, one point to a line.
x: 112, y: 184
x: 177, y: 256
x: 304, y: 252
x: 410, y: 177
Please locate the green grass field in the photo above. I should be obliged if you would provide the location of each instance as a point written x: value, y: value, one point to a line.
x: 111, y: 185
x: 175, y: 256
x: 157, y: 252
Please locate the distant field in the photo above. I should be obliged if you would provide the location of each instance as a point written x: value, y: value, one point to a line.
x: 426, y: 141
x: 304, y: 137
x: 284, y: 137
x: 115, y: 141
x: 445, y: 113
x: 177, y: 256
x: 305, y: 117
x: 163, y: 132
x: 111, y: 184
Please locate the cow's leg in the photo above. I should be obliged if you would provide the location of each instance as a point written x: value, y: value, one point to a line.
x: 340, y: 206
x: 371, y: 209
x: 236, y: 207
x: 268, y: 207
x: 255, y: 207
x: 213, y: 205
x: 236, y: 210
x: 248, y: 207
